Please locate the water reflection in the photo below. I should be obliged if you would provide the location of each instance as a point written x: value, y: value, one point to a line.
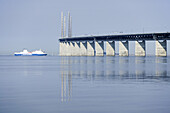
x: 140, y: 69
x: 122, y: 66
x: 66, y: 80
x: 140, y: 74
x: 161, y: 66
x: 161, y: 59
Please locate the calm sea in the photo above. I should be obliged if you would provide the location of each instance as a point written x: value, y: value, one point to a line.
x: 54, y: 84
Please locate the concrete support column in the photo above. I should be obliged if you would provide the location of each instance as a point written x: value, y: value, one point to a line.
x: 90, y: 48
x: 76, y: 51
x: 99, y: 47
x: 67, y: 50
x: 71, y: 49
x: 83, y: 48
x: 161, y: 48
x: 64, y: 49
x: 140, y: 48
x: 110, y: 48
x: 61, y: 49
x: 123, y: 48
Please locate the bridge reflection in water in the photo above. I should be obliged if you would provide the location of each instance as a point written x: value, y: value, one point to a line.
x: 111, y: 69
x: 66, y: 82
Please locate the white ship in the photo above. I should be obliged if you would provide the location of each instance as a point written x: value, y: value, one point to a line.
x: 34, y: 53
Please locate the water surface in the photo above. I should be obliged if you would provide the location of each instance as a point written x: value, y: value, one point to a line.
x: 54, y: 84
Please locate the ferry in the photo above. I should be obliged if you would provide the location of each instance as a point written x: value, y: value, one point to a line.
x: 27, y: 53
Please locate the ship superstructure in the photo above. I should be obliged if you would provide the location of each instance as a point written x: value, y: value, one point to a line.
x: 27, y: 53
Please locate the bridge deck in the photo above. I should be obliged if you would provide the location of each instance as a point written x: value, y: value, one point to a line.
x: 120, y: 37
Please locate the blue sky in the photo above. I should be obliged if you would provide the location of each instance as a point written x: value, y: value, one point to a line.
x: 35, y: 24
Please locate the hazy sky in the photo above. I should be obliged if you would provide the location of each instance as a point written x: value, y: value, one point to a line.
x: 35, y: 24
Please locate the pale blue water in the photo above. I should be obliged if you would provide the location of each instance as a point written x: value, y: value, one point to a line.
x: 84, y: 84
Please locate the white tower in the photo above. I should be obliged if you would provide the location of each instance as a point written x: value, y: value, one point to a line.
x: 62, y: 25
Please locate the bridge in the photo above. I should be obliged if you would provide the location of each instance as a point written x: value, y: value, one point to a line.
x: 94, y: 45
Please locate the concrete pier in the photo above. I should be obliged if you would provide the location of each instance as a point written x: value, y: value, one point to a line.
x: 63, y: 48
x: 67, y: 49
x: 161, y: 48
x: 140, y: 48
x: 83, y: 48
x: 99, y: 47
x: 110, y: 48
x: 123, y: 48
x: 76, y: 51
x: 72, y: 49
x: 61, y: 44
x: 90, y: 48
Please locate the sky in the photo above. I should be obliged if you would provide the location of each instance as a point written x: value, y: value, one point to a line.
x: 36, y: 24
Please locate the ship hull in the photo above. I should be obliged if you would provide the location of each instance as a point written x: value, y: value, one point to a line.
x: 39, y: 54
x: 30, y: 54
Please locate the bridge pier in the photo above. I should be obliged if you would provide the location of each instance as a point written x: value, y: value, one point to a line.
x: 99, y: 47
x: 67, y: 49
x: 72, y: 49
x: 63, y: 48
x: 110, y: 48
x: 90, y: 48
x: 83, y: 48
x: 140, y: 48
x: 61, y: 51
x: 76, y: 51
x: 123, y: 48
x: 161, y: 48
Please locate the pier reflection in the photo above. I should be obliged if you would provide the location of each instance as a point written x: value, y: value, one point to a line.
x: 138, y: 69
x: 66, y: 86
x: 161, y: 66
x: 66, y: 79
